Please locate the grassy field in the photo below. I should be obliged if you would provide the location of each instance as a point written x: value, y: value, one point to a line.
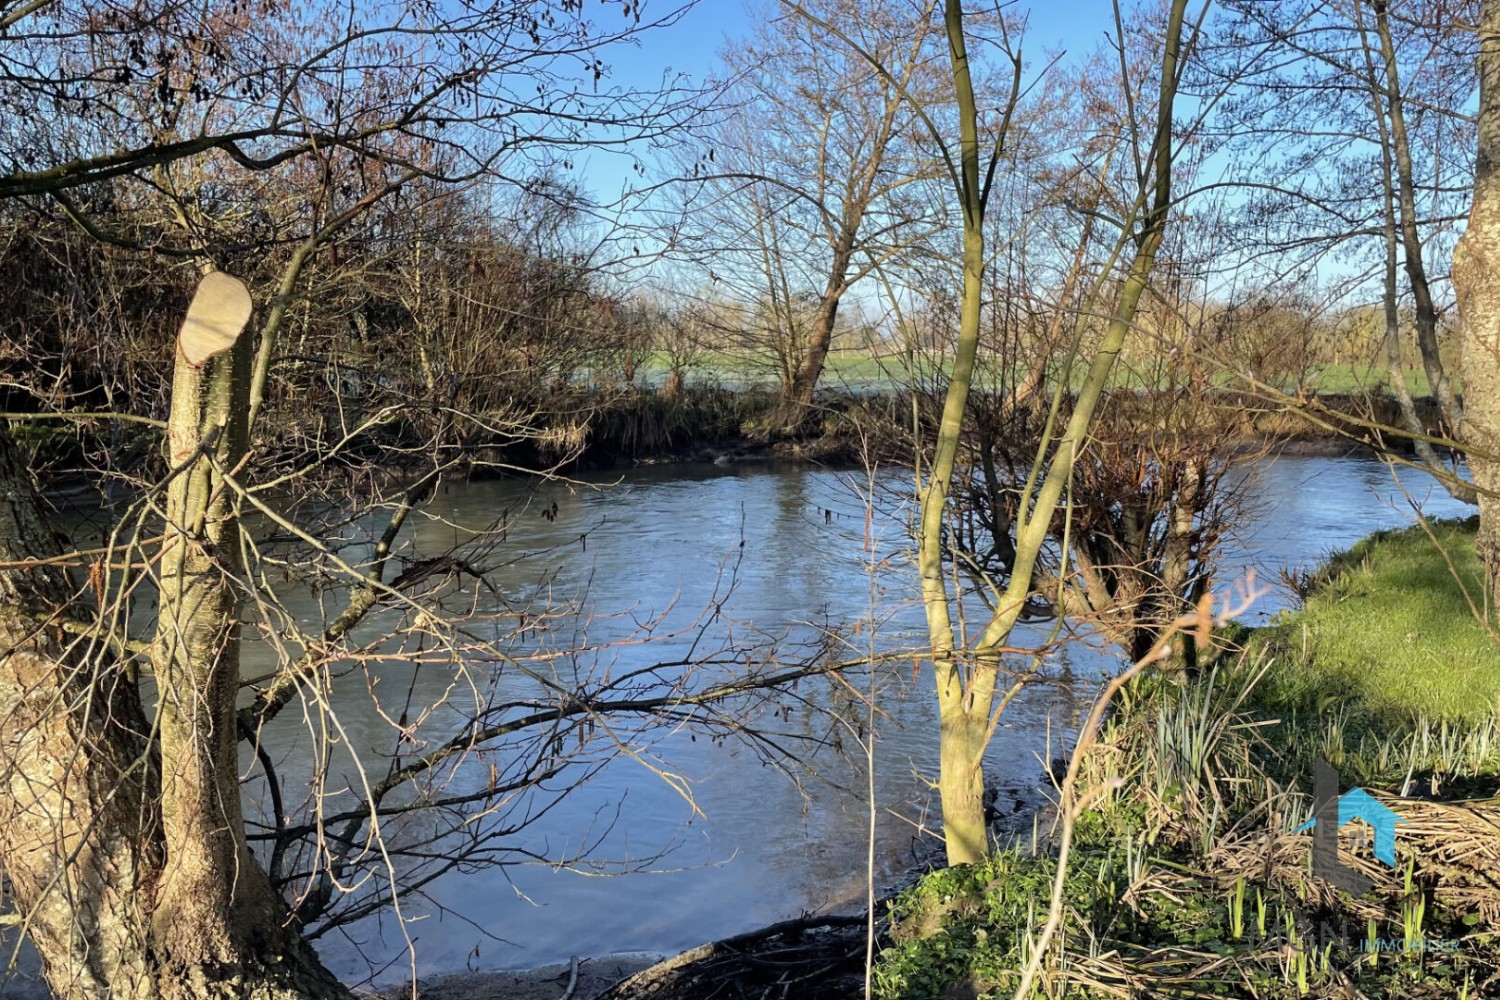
x: 1354, y: 379
x: 859, y: 369
x: 862, y: 370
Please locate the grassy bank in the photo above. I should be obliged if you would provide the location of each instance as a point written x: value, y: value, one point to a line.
x: 1394, y: 626
x: 1192, y: 878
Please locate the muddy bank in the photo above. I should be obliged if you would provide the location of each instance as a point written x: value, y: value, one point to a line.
x: 583, y: 979
x: 846, y: 429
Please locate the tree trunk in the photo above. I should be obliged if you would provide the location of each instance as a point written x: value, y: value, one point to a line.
x: 672, y: 388
x: 967, y: 679
x: 1411, y: 242
x: 75, y: 842
x: 811, y: 369
x: 797, y: 394
x: 1400, y: 192
x: 964, y: 726
x: 127, y: 859
x: 1183, y: 507
x: 964, y: 693
x: 1476, y: 282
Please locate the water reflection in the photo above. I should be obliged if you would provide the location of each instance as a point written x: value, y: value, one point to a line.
x: 1303, y: 509
x: 793, y: 541
x: 783, y: 554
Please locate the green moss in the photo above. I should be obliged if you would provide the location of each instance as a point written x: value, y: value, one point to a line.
x: 966, y: 930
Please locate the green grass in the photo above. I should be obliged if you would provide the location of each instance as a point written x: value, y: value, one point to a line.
x: 860, y: 368
x: 971, y: 927
x: 739, y: 368
x: 1362, y: 378
x: 1387, y: 630
x: 1326, y: 380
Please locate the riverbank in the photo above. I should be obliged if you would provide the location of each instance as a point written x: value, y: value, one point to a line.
x: 577, y: 428
x: 1193, y: 879
x: 846, y: 428
x: 580, y: 979
x: 777, y: 517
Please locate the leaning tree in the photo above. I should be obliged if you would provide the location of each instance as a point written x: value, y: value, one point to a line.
x: 1327, y: 97
x: 814, y: 179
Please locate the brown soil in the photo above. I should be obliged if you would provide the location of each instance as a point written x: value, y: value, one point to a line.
x: 550, y: 982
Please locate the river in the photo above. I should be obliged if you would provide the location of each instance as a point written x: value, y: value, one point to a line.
x: 753, y: 845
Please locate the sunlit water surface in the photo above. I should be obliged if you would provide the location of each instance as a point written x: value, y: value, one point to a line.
x: 764, y: 849
x: 753, y: 846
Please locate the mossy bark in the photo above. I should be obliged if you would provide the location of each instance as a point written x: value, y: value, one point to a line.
x: 965, y: 690
x: 967, y: 679
x: 1476, y: 282
x: 75, y: 843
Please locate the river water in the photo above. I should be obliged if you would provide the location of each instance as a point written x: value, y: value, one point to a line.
x: 760, y: 848
x: 788, y: 556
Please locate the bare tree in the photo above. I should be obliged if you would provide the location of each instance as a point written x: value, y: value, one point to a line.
x: 967, y: 660
x: 813, y: 177
x: 164, y: 848
x: 968, y: 676
x: 218, y: 132
x: 1327, y: 96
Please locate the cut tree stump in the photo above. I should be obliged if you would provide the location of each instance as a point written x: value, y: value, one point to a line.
x: 220, y: 309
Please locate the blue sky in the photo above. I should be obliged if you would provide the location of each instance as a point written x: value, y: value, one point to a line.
x: 692, y: 46
x: 693, y: 43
